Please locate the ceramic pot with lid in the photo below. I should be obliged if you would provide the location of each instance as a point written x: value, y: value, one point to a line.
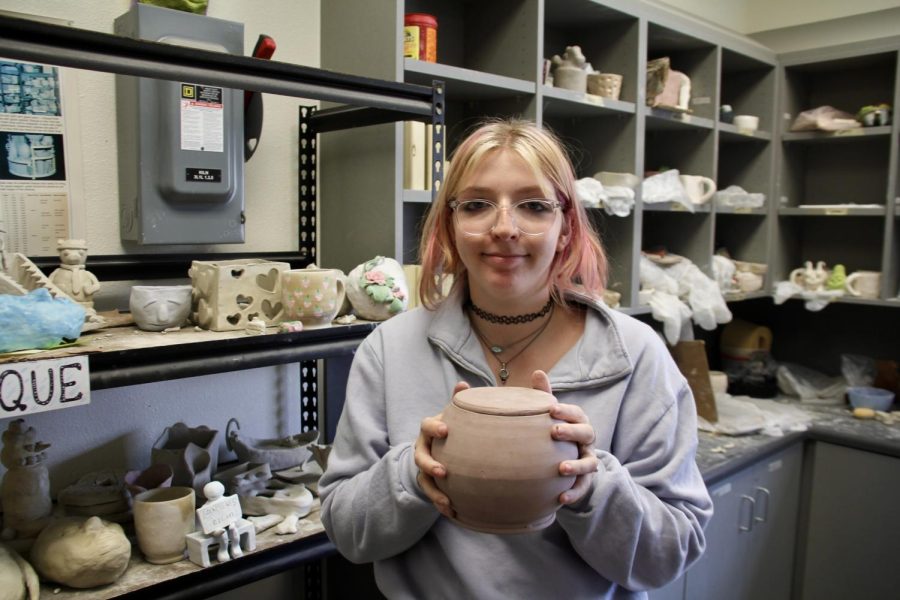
x: 502, y: 462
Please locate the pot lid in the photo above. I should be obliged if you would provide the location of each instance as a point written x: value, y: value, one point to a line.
x: 506, y: 401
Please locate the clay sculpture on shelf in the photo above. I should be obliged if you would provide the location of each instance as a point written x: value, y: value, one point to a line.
x: 377, y: 289
x: 160, y: 307
x: 18, y: 581
x: 666, y: 87
x: 502, y: 463
x: 81, y: 552
x: 72, y: 277
x: 278, y: 453
x: 228, y: 294
x: 570, y: 70
x: 222, y: 529
x: 100, y: 493
x: 312, y: 295
x: 192, y: 452
x: 25, y: 491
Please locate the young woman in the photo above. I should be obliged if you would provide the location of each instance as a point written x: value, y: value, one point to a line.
x: 524, y: 310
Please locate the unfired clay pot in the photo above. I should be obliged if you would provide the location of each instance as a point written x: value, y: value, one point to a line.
x: 81, y: 552
x: 162, y: 517
x: 502, y: 463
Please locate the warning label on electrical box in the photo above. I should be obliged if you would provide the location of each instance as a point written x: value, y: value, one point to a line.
x: 202, y: 118
x: 211, y: 175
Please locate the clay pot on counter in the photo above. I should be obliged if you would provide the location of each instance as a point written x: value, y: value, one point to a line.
x: 502, y: 463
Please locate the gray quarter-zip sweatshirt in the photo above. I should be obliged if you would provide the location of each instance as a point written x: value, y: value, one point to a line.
x: 639, y: 527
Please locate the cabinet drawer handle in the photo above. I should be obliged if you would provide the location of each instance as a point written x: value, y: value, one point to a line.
x: 761, y: 491
x: 746, y: 500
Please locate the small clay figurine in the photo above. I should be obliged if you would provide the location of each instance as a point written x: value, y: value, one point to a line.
x: 221, y: 524
x: 570, y: 70
x: 25, y: 492
x: 72, y: 277
x: 837, y: 279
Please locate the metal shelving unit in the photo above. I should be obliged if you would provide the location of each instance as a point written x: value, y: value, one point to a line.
x: 362, y: 102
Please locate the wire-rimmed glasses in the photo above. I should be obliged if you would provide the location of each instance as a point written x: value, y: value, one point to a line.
x: 533, y: 216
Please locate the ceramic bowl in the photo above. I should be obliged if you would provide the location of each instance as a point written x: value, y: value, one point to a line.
x: 870, y: 397
x: 502, y: 463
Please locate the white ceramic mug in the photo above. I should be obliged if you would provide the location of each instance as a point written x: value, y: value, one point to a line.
x: 699, y: 188
x: 746, y: 123
x: 864, y: 284
x: 312, y: 295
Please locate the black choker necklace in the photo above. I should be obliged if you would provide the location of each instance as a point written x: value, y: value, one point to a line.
x: 507, y: 320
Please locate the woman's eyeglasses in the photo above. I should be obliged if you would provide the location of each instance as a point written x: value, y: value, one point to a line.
x: 533, y: 216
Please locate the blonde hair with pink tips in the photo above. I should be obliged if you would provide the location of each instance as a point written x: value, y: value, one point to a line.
x: 581, y: 265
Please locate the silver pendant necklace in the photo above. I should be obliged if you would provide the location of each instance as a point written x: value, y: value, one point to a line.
x: 496, y: 349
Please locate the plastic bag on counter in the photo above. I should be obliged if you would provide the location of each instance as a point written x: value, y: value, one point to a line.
x: 859, y: 371
x: 810, y: 385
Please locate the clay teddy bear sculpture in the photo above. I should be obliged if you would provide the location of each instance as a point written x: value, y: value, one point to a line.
x: 72, y: 277
x: 25, y: 491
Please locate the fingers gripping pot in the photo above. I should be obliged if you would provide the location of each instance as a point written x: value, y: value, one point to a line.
x: 502, y: 462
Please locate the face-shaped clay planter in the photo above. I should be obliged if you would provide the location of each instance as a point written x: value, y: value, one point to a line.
x: 159, y: 307
x: 502, y: 463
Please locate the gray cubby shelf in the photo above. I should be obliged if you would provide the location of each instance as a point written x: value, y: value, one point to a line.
x: 501, y: 75
x: 836, y: 189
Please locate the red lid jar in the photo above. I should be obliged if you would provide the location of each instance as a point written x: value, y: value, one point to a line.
x: 420, y: 37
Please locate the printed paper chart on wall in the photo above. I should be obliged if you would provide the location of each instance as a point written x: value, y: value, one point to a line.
x: 34, y: 190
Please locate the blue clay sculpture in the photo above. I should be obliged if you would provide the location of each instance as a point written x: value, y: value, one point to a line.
x: 37, y: 320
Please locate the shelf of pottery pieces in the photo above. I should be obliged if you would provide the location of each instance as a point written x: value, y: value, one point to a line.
x: 127, y: 355
x: 274, y: 553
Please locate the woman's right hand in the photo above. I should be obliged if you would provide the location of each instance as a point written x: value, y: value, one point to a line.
x: 433, y: 428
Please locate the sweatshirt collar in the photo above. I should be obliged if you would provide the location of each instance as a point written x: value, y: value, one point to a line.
x: 598, y: 358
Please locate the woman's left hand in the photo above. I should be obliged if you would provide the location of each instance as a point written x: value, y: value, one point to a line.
x: 576, y: 428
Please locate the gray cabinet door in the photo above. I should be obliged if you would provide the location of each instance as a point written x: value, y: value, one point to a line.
x: 720, y: 572
x: 750, y: 539
x: 776, y: 494
x: 853, y: 532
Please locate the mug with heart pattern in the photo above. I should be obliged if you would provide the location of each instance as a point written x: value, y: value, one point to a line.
x: 312, y: 295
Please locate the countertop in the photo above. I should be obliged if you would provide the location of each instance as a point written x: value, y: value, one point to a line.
x: 719, y: 456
